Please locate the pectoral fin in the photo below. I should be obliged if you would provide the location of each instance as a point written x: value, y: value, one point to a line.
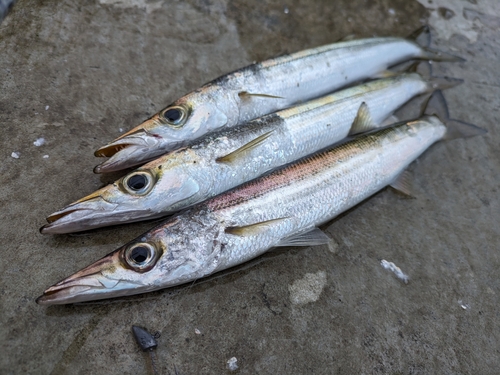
x: 363, y: 121
x: 243, y: 150
x: 248, y: 95
x: 254, y: 229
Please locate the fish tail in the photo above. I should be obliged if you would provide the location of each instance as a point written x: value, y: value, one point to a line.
x: 435, y: 55
x: 436, y: 106
x: 422, y: 36
x: 424, y: 68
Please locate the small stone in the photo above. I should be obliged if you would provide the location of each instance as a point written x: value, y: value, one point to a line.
x: 39, y: 142
x: 231, y: 364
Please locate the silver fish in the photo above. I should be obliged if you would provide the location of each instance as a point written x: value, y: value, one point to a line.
x: 257, y: 90
x: 281, y: 209
x: 227, y: 159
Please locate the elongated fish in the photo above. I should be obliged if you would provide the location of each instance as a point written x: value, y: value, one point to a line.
x: 227, y: 159
x: 281, y: 209
x: 257, y: 90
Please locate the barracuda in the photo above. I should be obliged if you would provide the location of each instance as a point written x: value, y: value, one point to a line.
x: 257, y: 90
x: 227, y: 159
x: 281, y: 209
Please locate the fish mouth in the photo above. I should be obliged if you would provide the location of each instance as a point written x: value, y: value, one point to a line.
x: 81, y: 286
x: 90, y: 283
x: 132, y: 151
x: 84, y: 214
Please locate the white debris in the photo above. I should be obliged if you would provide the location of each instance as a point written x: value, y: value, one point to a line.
x: 397, y: 271
x: 308, y: 289
x: 464, y: 306
x: 286, y: 10
x: 45, y: 156
x: 47, y: 107
x: 120, y: 130
x: 39, y: 142
x: 197, y: 331
x: 392, y: 12
x: 231, y: 364
x: 15, y: 155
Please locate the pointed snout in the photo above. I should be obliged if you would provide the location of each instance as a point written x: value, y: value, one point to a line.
x: 84, y: 214
x: 87, y: 284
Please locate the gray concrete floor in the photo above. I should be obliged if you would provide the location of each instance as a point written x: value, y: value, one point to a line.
x: 75, y: 72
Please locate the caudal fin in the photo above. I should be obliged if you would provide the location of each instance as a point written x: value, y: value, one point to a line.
x: 437, y: 106
x: 435, y: 83
x: 435, y: 55
x: 422, y: 37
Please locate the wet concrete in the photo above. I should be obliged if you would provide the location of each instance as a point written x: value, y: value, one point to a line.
x: 75, y: 73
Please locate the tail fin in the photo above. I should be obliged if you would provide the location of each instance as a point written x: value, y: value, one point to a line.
x: 431, y: 54
x: 422, y: 36
x: 424, y: 68
x: 437, y: 106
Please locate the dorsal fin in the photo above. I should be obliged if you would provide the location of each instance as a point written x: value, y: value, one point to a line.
x: 347, y: 38
x: 363, y: 121
x: 386, y: 74
x: 243, y: 150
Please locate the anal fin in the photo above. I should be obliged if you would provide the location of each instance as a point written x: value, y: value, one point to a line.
x: 243, y: 150
x: 363, y: 121
x: 313, y: 237
x: 403, y: 184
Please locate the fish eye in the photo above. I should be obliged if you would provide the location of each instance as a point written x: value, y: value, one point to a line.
x: 174, y: 116
x: 139, y: 182
x: 141, y: 256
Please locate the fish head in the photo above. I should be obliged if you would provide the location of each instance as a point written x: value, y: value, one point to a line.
x: 152, y: 191
x: 185, y: 120
x: 161, y: 258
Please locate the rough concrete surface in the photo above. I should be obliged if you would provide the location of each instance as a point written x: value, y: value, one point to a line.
x: 75, y: 72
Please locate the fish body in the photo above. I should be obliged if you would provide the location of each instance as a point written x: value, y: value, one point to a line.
x: 278, y: 209
x: 226, y: 159
x: 256, y: 90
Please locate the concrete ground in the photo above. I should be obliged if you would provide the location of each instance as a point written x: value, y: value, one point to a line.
x: 75, y: 72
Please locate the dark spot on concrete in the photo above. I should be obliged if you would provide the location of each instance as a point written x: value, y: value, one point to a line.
x: 446, y: 13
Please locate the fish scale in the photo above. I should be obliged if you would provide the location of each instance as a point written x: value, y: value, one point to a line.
x: 205, y: 169
x: 335, y: 180
x: 274, y: 210
x: 257, y: 90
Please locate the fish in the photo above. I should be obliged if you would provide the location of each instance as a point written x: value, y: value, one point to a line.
x: 256, y: 90
x: 283, y: 208
x: 226, y: 159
